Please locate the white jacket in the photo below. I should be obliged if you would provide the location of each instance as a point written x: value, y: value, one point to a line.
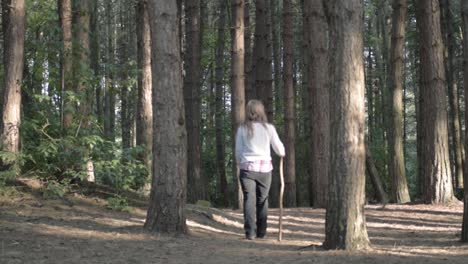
x: 258, y: 146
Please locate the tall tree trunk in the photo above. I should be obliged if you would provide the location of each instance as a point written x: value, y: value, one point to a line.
x: 400, y: 192
x: 219, y: 104
x: 370, y: 79
x: 345, y: 226
x: 65, y: 13
x: 124, y: 82
x: 249, y: 89
x: 1, y: 56
x: 262, y: 56
x: 144, y: 125
x: 192, y: 83
x: 318, y: 87
x: 109, y: 96
x: 464, y: 234
x: 385, y: 89
x: 276, y: 45
x: 305, y: 126
x: 166, y: 212
x: 82, y: 63
x: 95, y: 62
x: 83, y: 87
x: 237, y: 81
x: 289, y: 117
x: 14, y: 20
x: 436, y: 162
x: 451, y: 74
x: 262, y: 72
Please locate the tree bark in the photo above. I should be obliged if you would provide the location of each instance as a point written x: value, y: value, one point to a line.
x: 82, y: 55
x: 345, y: 225
x: 262, y: 56
x: 451, y: 74
x: 237, y: 81
x: 464, y: 234
x: 276, y: 48
x: 144, y: 125
x: 400, y: 192
x: 109, y: 96
x: 290, y: 199
x: 166, y: 212
x: 125, y: 106
x: 95, y: 61
x: 435, y: 153
x: 219, y: 104
x: 65, y: 13
x: 14, y: 20
x: 318, y: 87
x: 192, y: 83
x: 249, y: 89
x: 375, y: 178
x: 370, y: 85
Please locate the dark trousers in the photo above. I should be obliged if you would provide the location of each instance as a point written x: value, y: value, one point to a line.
x: 255, y: 186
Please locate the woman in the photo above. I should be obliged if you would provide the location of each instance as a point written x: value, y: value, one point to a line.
x: 253, y: 140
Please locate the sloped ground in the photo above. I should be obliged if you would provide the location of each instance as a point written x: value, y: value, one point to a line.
x: 81, y: 229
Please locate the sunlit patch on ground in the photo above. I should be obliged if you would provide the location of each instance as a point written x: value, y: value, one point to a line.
x: 33, y: 230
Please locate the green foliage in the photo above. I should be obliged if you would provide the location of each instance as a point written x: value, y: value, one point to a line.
x: 118, y: 203
x: 125, y: 172
x: 57, y: 155
x: 54, y: 190
x: 9, y: 166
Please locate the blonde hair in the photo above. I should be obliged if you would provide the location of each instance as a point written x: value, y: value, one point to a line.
x: 254, y: 112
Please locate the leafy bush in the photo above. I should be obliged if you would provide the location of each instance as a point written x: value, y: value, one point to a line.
x: 56, y: 155
x: 54, y: 190
x: 118, y: 203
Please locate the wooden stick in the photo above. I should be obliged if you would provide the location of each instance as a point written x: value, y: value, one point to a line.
x: 280, y: 228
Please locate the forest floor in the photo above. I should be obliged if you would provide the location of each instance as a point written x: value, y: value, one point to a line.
x: 80, y: 228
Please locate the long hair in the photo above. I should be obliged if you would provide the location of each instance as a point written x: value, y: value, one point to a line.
x: 254, y: 112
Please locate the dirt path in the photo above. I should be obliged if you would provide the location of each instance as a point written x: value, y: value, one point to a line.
x: 83, y: 230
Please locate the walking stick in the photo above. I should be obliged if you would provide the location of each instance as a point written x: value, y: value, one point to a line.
x: 280, y: 228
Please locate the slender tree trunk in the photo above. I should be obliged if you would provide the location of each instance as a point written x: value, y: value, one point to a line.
x: 83, y: 87
x: 124, y: 82
x: 464, y: 234
x: 109, y: 96
x: 262, y: 56
x: 144, y: 125
x: 95, y: 62
x: 2, y: 67
x: 82, y: 67
x: 436, y: 162
x: 237, y: 81
x: 192, y: 83
x: 451, y: 74
x: 370, y: 79
x: 375, y: 178
x: 219, y: 104
x: 345, y: 225
x: 400, y: 192
x: 318, y: 87
x: 268, y: 95
x: 385, y: 86
x: 262, y: 73
x: 166, y: 212
x: 289, y: 117
x: 276, y: 45
x: 65, y: 13
x: 249, y: 89
x: 14, y: 20
x: 305, y: 126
